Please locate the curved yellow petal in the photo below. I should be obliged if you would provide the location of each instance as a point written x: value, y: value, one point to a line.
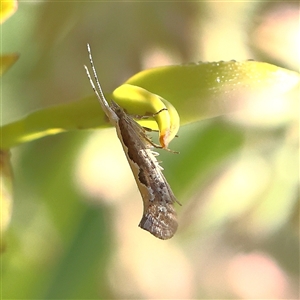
x: 142, y: 104
x: 168, y: 135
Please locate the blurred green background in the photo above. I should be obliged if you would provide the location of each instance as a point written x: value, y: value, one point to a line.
x: 74, y: 234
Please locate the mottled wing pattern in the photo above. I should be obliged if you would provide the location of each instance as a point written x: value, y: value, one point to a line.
x: 159, y: 216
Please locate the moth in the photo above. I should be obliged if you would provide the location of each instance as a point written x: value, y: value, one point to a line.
x: 159, y: 215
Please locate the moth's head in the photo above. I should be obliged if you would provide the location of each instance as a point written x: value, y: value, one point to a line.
x: 116, y: 107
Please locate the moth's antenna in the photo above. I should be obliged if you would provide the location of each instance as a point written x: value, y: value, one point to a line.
x: 100, y: 95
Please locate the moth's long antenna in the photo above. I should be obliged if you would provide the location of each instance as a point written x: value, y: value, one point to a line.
x: 100, y: 95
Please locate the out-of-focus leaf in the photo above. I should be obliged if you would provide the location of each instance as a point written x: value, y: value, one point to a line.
x: 6, y: 200
x: 7, y: 8
x: 7, y: 60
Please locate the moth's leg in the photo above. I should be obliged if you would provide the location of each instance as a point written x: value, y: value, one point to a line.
x: 148, y: 115
x: 159, y: 146
x: 151, y: 130
x: 152, y: 116
x: 158, y: 112
x: 154, y: 130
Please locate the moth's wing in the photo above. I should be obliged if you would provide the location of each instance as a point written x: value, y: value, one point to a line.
x: 160, y: 220
x: 159, y: 217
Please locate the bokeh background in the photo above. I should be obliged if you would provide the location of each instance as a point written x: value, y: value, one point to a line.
x: 74, y: 234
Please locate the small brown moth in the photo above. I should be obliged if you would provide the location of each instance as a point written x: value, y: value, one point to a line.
x: 159, y: 216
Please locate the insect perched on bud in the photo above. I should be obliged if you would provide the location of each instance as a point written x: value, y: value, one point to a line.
x: 159, y: 216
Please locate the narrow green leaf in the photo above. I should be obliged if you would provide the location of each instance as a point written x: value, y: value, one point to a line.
x: 204, y: 90
x: 83, y: 114
x: 197, y: 91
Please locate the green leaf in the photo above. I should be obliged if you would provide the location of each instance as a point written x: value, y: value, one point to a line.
x: 204, y: 90
x: 197, y: 91
x: 83, y: 114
